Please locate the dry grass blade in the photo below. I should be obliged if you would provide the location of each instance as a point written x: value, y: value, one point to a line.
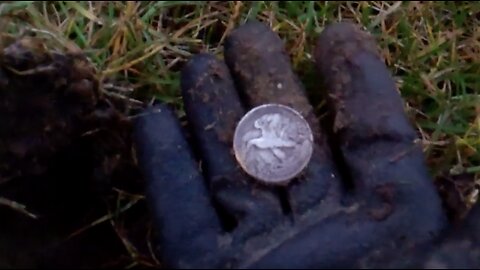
x: 32, y: 71
x: 134, y: 62
x: 232, y: 21
x: 106, y: 217
x: 383, y: 15
x: 17, y: 207
x: 88, y: 14
x: 194, y: 23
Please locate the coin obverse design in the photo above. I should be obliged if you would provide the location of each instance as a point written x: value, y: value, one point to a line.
x: 273, y: 143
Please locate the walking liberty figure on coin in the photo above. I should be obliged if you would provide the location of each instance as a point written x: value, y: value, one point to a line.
x: 273, y: 143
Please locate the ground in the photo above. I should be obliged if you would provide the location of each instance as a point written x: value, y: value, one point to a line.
x: 115, y: 57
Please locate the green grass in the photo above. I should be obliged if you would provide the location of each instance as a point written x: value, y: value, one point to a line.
x: 432, y: 48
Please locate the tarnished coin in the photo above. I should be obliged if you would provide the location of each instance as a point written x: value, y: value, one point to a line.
x: 273, y: 143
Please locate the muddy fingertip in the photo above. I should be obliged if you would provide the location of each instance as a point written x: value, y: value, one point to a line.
x: 340, y: 41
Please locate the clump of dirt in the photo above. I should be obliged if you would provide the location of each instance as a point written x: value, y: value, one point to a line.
x: 456, y: 191
x: 64, y: 150
x: 44, y: 97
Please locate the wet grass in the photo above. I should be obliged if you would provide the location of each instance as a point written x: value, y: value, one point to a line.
x: 432, y: 49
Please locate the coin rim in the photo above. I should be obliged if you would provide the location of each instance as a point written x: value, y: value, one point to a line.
x: 280, y: 181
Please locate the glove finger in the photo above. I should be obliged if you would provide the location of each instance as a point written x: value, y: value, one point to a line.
x: 460, y: 249
x: 349, y: 239
x: 186, y: 222
x: 374, y: 135
x: 213, y: 109
x: 261, y: 69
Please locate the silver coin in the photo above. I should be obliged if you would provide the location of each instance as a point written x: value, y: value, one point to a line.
x: 273, y: 143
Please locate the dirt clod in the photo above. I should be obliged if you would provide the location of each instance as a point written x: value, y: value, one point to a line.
x: 64, y: 149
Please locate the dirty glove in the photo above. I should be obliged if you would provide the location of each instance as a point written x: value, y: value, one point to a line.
x: 365, y: 195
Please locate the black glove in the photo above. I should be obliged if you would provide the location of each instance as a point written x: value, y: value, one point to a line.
x: 365, y: 198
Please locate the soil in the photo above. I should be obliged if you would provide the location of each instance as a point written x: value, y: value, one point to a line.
x: 66, y: 155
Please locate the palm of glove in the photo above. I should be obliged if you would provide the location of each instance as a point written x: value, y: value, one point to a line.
x: 377, y: 200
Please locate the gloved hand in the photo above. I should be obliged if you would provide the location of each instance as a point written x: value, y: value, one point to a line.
x: 365, y: 200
